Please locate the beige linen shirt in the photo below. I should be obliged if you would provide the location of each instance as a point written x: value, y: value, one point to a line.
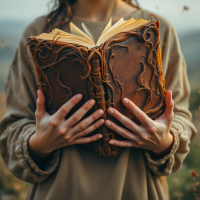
x: 74, y: 173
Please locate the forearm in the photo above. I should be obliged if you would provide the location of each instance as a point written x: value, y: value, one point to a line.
x: 183, y: 130
x: 14, y: 151
x: 160, y: 154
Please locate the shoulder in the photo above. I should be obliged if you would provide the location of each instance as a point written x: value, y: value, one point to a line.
x: 169, y: 41
x: 34, y: 28
x: 166, y: 26
x: 168, y: 34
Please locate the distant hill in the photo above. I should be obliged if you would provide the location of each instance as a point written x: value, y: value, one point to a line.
x: 11, y: 32
x: 190, y: 45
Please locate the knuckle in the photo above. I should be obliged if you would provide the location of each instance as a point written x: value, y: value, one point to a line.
x: 70, y: 141
x: 80, y: 141
x: 36, y: 114
x: 172, y: 103
x: 99, y: 113
x: 94, y: 117
x: 145, y: 138
x: 172, y: 115
x: 82, y: 126
x: 90, y: 139
x: 128, y: 145
x: 74, y: 101
x: 84, y: 132
x: 61, y: 131
x: 115, y: 128
x: 141, y: 116
x: 67, y: 138
x: 125, y: 132
x: 76, y: 118
x: 129, y: 124
x: 38, y: 103
x: 140, y: 142
x: 97, y: 124
x: 64, y: 109
x: 136, y: 145
x: 53, y: 122
x: 152, y: 129
x: 86, y: 106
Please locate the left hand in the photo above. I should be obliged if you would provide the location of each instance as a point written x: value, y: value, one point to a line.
x: 152, y: 135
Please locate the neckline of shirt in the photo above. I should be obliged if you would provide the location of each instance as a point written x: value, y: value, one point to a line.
x: 133, y: 14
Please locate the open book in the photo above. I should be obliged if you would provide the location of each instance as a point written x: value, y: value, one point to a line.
x: 125, y: 62
x: 79, y: 37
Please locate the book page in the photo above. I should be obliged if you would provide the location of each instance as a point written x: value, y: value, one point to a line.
x: 85, y: 39
x: 72, y: 39
x: 118, y: 23
x: 131, y: 24
x: 76, y: 31
x: 87, y: 32
x: 109, y: 24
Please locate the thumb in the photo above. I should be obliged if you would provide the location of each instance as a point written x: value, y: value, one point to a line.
x: 40, y: 104
x: 169, y: 105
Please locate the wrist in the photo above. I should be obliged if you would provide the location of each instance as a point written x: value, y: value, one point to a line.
x: 168, y: 147
x: 35, y: 148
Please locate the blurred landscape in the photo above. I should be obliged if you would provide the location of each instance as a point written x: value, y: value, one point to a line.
x: 181, y: 184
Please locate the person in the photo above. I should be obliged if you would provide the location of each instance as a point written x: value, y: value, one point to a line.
x: 41, y: 149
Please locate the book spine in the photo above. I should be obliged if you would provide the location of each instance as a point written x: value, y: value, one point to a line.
x: 101, y: 104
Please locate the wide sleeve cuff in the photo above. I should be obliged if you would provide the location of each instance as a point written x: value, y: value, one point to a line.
x: 27, y: 161
x: 163, y: 166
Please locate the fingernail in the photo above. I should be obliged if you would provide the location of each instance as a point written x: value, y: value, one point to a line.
x: 91, y: 103
x: 108, y: 123
x: 100, y: 112
x: 99, y: 136
x: 101, y: 122
x: 111, y: 142
x: 111, y: 110
x: 79, y: 96
x: 125, y: 101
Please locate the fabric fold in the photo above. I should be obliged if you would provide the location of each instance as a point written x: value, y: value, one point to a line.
x: 27, y: 161
x: 163, y: 166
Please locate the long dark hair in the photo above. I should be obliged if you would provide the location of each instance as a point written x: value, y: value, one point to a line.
x: 62, y: 12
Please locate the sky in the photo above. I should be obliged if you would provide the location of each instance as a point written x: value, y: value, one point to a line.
x: 28, y: 10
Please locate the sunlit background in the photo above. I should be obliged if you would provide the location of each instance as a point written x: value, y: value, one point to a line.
x: 15, y: 15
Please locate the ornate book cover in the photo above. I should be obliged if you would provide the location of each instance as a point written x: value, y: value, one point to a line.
x: 126, y: 65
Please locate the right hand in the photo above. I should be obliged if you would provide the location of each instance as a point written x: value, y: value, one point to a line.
x: 54, y: 132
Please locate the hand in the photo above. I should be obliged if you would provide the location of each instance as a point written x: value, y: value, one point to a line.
x: 152, y: 135
x: 54, y: 132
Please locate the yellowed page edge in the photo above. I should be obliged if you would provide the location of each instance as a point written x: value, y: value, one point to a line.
x: 131, y: 20
x: 118, y: 23
x: 76, y: 31
x: 127, y: 23
x: 68, y: 40
x: 80, y: 38
x: 43, y: 36
x: 87, y: 31
x: 109, y: 25
x: 126, y: 29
